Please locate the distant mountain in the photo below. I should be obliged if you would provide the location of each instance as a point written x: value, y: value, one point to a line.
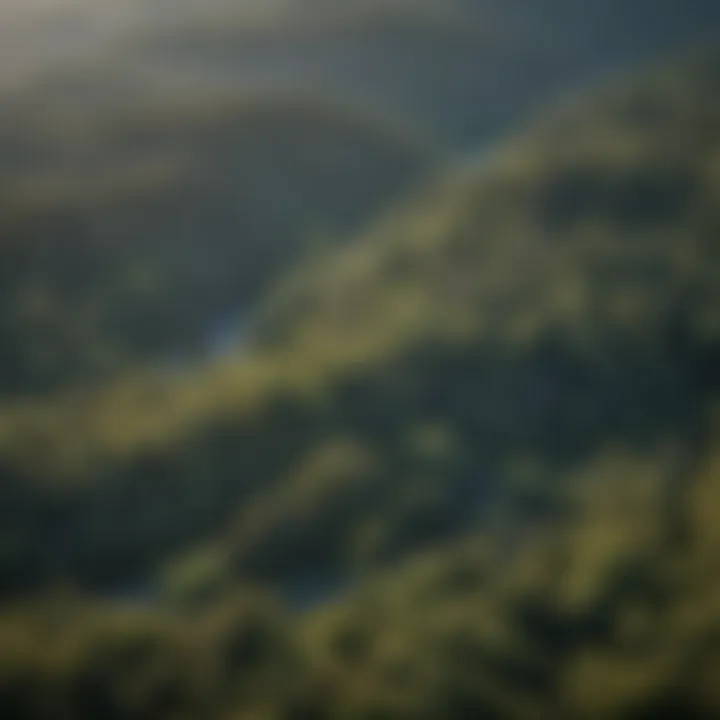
x: 131, y: 234
x: 465, y: 69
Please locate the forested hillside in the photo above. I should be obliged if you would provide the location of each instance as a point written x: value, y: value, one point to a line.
x: 562, y: 300
x: 487, y: 431
x: 355, y: 364
x: 147, y: 234
x: 267, y: 129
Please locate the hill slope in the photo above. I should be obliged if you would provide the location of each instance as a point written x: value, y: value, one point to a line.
x: 135, y: 235
x: 544, y: 334
x: 561, y: 301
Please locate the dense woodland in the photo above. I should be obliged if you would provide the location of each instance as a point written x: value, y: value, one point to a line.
x: 305, y: 416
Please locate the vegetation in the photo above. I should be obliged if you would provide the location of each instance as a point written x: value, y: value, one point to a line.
x: 562, y: 300
x: 485, y: 434
x: 100, y: 251
x: 601, y: 604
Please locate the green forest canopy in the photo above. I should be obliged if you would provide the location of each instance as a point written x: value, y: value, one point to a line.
x: 564, y: 298
x: 543, y: 332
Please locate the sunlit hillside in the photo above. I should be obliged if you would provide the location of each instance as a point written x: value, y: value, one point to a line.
x: 559, y: 300
x: 269, y: 130
x: 474, y: 454
x: 359, y: 360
